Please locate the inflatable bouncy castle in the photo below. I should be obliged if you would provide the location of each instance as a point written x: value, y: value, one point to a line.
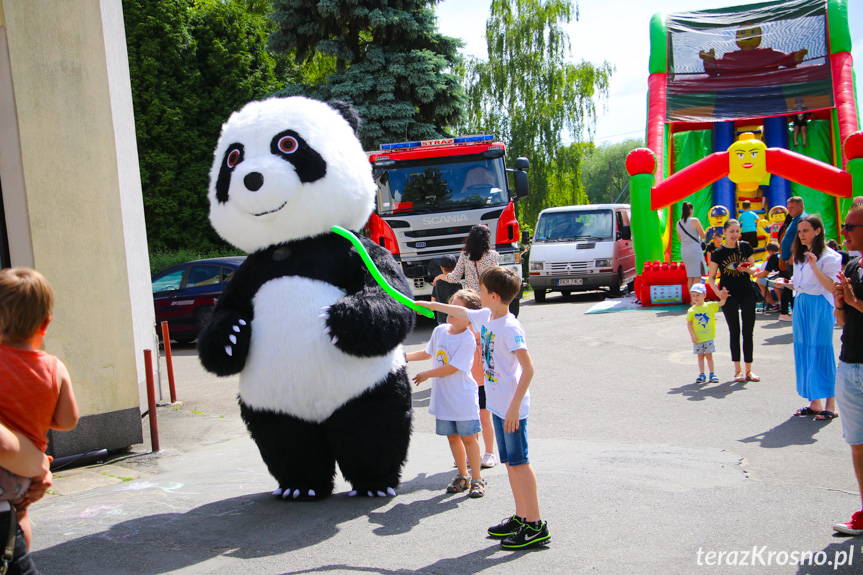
x: 747, y: 103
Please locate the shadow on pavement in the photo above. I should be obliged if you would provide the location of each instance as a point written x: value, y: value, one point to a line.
x: 246, y: 527
x: 793, y: 431
x: 468, y: 563
x: 699, y: 391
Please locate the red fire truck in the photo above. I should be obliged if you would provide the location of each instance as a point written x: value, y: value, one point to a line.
x: 432, y: 192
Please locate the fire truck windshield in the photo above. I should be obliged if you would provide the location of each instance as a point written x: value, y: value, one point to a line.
x: 440, y: 185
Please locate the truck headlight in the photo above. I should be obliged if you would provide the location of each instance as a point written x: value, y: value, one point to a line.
x: 536, y: 266
x: 510, y: 258
x: 606, y: 263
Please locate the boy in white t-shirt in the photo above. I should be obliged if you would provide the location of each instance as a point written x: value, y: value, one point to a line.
x: 508, y: 373
x: 455, y: 396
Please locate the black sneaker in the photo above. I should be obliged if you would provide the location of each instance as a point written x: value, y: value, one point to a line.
x: 527, y: 537
x: 509, y: 526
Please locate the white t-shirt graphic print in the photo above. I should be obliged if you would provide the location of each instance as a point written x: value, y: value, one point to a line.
x: 498, y: 339
x: 454, y: 397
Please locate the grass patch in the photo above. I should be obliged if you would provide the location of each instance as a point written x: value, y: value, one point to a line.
x: 117, y: 477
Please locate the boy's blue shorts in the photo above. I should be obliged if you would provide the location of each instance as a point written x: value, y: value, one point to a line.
x: 512, y: 446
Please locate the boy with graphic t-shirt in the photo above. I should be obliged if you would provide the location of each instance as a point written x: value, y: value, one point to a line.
x: 508, y: 373
x: 455, y: 395
x: 701, y: 321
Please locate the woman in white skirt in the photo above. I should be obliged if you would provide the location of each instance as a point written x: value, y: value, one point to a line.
x: 815, y: 267
x: 689, y: 229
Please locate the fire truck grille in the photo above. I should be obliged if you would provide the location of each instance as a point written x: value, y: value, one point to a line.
x: 419, y: 283
x: 462, y: 230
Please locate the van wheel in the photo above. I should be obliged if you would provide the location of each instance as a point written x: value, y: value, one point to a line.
x: 539, y: 295
x: 615, y: 287
x: 566, y: 294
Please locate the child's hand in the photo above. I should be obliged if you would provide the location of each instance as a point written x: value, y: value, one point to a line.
x: 37, y: 490
x: 724, y: 293
x: 694, y: 340
x: 425, y: 304
x: 510, y: 424
x: 421, y: 377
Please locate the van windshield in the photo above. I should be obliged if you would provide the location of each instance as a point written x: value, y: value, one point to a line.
x: 567, y: 226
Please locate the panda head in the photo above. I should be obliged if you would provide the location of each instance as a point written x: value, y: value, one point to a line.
x: 286, y: 169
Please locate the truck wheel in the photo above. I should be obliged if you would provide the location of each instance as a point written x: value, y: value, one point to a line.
x: 539, y: 295
x: 615, y: 287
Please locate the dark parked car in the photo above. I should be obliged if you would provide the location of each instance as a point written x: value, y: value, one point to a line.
x: 184, y: 295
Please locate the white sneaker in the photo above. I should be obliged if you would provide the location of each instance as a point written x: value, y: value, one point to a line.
x: 488, y: 461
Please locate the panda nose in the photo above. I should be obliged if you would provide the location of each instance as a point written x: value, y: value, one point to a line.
x: 253, y: 181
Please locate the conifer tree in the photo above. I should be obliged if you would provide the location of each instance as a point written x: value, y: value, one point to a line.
x: 390, y: 63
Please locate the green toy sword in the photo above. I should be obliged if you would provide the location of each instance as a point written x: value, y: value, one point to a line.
x: 394, y: 293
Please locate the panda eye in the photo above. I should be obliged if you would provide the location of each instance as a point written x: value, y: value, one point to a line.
x: 233, y: 158
x: 288, y: 144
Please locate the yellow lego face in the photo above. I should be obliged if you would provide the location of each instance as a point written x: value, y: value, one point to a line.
x: 718, y: 216
x: 777, y: 214
x: 749, y: 37
x: 747, y: 161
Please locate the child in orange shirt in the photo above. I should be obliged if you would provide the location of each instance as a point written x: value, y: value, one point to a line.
x: 35, y: 385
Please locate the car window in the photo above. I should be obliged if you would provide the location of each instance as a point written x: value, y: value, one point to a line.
x: 168, y: 282
x: 203, y: 276
x: 227, y: 274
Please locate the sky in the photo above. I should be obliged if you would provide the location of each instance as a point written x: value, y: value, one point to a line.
x: 603, y: 34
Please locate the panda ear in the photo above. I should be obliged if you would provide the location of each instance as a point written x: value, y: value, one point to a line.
x: 348, y: 112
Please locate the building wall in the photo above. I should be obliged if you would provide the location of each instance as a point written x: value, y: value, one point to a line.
x: 72, y: 197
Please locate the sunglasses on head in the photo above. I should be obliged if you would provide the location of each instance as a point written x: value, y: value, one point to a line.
x: 849, y: 227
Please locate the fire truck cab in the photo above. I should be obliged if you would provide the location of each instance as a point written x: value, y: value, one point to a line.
x: 431, y: 193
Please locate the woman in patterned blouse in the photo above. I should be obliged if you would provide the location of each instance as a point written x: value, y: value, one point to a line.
x: 476, y: 257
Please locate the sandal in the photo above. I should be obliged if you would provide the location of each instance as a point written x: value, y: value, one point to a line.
x: 804, y: 411
x: 739, y: 377
x: 752, y: 377
x: 826, y: 415
x: 459, y: 484
x: 477, y: 488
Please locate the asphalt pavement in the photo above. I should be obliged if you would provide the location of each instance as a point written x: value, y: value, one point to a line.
x: 640, y: 470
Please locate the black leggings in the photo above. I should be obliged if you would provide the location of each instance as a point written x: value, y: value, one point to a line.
x: 732, y: 318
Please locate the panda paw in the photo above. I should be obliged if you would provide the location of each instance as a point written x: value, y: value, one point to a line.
x: 224, y: 344
x: 378, y: 493
x: 289, y: 494
x: 237, y: 329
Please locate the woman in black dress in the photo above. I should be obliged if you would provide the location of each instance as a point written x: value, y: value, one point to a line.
x: 734, y: 262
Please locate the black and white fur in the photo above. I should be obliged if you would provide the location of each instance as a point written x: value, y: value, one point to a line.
x: 316, y: 341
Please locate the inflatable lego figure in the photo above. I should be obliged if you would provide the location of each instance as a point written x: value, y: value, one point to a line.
x: 717, y: 216
x: 747, y: 163
x: 751, y: 58
x: 317, y: 343
x: 776, y: 217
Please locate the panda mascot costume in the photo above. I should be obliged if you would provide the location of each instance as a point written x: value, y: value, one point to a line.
x: 316, y: 341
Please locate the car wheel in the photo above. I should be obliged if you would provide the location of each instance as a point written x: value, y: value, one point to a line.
x: 539, y: 295
x: 615, y: 287
x: 566, y: 293
x: 183, y: 340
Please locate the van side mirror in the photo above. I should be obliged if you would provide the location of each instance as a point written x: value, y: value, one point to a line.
x: 625, y: 233
x: 522, y: 163
x: 525, y: 237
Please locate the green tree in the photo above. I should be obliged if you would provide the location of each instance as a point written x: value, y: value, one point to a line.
x: 388, y: 60
x: 192, y: 63
x: 529, y: 94
x: 598, y: 183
